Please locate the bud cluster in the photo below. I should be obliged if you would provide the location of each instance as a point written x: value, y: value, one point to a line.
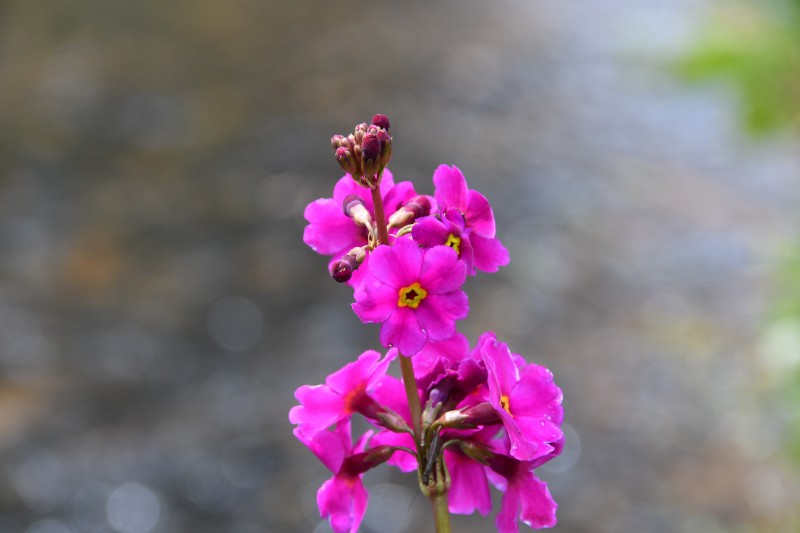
x: 365, y: 153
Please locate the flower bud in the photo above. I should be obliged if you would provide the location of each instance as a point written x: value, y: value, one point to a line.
x: 386, y: 147
x: 361, y: 462
x: 382, y: 121
x: 338, y: 141
x: 342, y: 270
x: 346, y: 160
x: 476, y: 451
x: 353, y: 206
x: 417, y: 207
x: 370, y: 156
x: 478, y: 415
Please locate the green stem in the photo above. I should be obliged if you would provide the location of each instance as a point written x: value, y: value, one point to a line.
x: 410, y: 384
x: 441, y: 514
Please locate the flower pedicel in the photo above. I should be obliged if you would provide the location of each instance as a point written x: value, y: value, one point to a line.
x: 462, y: 418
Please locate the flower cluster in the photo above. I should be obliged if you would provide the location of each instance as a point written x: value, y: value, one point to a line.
x: 462, y: 418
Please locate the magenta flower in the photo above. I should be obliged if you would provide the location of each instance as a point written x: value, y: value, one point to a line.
x: 343, y: 498
x: 526, y: 398
x: 452, y: 193
x: 526, y: 496
x: 331, y: 232
x: 345, y: 392
x: 415, y: 294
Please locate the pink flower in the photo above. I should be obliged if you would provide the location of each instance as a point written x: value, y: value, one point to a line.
x: 343, y: 498
x: 526, y: 496
x: 525, y: 397
x: 345, y: 392
x: 331, y: 232
x: 478, y: 226
x: 415, y: 294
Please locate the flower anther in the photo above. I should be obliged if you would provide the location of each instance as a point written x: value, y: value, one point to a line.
x: 411, y: 296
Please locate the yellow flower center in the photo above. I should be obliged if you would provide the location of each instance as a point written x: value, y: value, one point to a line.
x: 506, y: 403
x: 411, y: 296
x: 453, y: 242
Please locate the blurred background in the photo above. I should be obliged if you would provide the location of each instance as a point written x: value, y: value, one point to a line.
x: 158, y: 307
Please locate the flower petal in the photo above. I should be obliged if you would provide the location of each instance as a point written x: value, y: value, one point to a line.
x: 479, y: 214
x: 402, y: 331
x: 355, y: 373
x: 490, y: 254
x: 538, y: 506
x: 438, y: 312
x: 398, y: 265
x: 330, y: 230
x: 319, y: 409
x: 441, y: 271
x: 375, y: 302
x: 537, y: 396
x: 469, y: 490
x: 428, y: 231
x: 343, y: 501
x: 451, y: 188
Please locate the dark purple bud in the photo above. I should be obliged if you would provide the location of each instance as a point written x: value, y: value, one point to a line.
x: 342, y: 270
x: 370, y: 156
x: 382, y: 121
x: 370, y: 148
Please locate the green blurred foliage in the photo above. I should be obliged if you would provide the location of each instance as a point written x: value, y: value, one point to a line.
x: 755, y: 47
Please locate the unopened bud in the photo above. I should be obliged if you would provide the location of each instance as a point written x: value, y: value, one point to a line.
x: 392, y: 421
x: 417, y: 207
x: 361, y: 462
x: 353, y: 206
x: 386, y: 147
x: 359, y: 133
x: 382, y: 121
x: 338, y: 140
x: 370, y: 156
x: 342, y: 270
x: 472, y: 417
x: 476, y: 451
x: 346, y: 160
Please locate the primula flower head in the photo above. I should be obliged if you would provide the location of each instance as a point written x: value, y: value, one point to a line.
x: 415, y: 294
x: 488, y: 253
x: 345, y: 392
x: 526, y: 398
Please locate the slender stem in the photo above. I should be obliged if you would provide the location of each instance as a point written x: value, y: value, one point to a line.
x: 410, y: 384
x: 380, y: 218
x: 441, y: 514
